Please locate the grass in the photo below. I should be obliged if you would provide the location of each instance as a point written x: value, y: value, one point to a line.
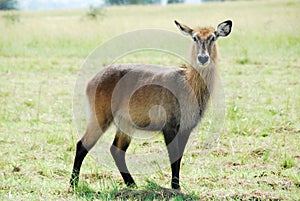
x: 257, y: 156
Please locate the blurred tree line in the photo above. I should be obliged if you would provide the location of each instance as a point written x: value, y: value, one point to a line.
x: 13, y: 4
x: 8, y: 4
x: 127, y: 2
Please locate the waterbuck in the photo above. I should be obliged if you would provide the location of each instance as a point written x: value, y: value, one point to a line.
x: 153, y: 98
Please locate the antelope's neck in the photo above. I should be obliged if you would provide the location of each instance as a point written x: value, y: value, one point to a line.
x: 202, y: 82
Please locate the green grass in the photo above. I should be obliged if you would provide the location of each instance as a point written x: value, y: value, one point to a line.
x: 257, y: 156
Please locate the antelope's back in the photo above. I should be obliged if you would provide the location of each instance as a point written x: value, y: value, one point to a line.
x: 143, y: 95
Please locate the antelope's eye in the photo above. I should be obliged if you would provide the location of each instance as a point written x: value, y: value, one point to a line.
x: 211, y: 40
x: 195, y: 38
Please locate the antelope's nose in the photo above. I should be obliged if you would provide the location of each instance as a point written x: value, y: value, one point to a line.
x: 203, y: 59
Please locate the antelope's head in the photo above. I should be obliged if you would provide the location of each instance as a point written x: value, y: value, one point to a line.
x: 204, y: 49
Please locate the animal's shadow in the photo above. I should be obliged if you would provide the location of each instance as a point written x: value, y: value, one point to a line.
x: 150, y: 191
x: 159, y: 193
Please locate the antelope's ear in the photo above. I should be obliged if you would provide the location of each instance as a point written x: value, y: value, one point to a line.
x: 224, y: 29
x: 184, y: 29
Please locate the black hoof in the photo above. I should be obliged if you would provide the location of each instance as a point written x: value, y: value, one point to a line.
x: 74, y: 181
x: 176, y: 187
x: 131, y: 185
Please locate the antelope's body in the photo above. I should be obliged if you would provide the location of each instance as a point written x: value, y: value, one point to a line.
x: 155, y: 98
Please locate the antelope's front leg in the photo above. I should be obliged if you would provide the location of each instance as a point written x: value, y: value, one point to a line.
x: 175, y: 143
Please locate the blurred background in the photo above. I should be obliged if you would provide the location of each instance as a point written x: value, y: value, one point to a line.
x: 71, y: 4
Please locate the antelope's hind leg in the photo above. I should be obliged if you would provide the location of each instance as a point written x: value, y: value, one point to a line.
x: 118, y: 151
x: 91, y: 136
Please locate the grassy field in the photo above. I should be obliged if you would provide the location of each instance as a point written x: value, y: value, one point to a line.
x: 257, y: 157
